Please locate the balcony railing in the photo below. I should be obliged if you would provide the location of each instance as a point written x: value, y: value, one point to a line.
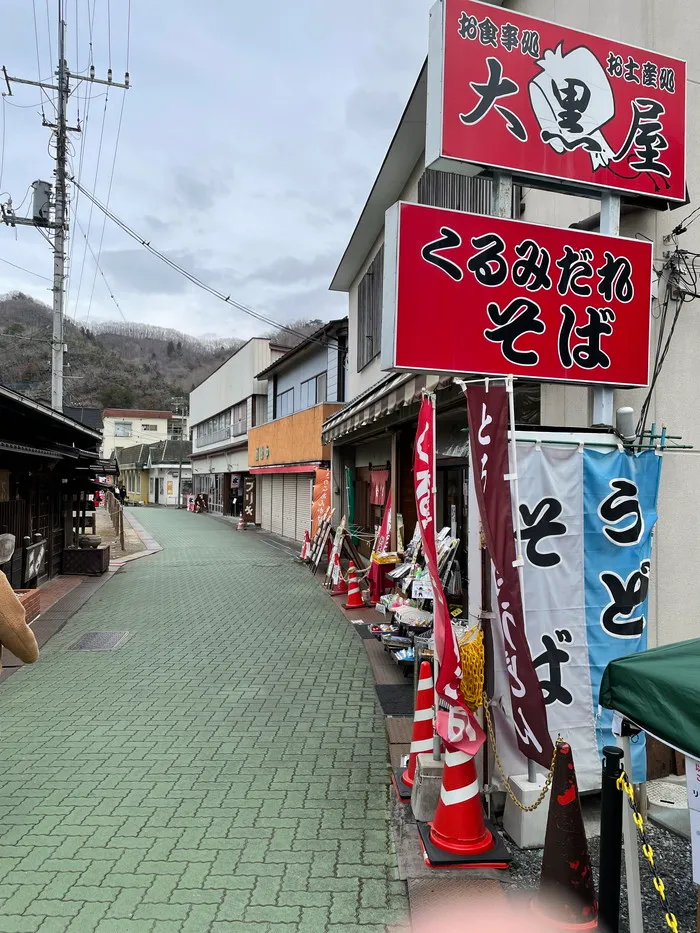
x: 213, y: 437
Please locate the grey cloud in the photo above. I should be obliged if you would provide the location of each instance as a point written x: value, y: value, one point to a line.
x: 196, y: 194
x: 369, y: 110
x: 288, y: 270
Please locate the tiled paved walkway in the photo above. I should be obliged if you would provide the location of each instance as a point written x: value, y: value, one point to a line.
x: 224, y: 770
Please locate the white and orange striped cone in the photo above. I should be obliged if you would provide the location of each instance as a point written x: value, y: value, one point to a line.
x: 355, y: 600
x: 422, y: 738
x: 340, y: 586
x: 241, y: 523
x: 458, y: 836
x: 306, y: 546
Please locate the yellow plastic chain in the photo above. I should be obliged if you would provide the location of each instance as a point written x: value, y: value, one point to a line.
x: 659, y: 886
x: 471, y: 652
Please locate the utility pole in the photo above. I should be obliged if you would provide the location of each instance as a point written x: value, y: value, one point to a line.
x: 60, y: 222
x: 60, y: 219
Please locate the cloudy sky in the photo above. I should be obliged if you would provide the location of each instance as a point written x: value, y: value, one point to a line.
x: 249, y: 142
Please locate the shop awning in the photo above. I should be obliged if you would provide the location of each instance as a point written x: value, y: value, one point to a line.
x: 659, y: 691
x: 386, y: 396
x: 286, y: 468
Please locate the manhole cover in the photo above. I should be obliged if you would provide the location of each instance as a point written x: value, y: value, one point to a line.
x: 100, y: 641
x: 667, y: 794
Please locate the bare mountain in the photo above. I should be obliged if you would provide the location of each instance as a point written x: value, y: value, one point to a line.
x: 119, y: 364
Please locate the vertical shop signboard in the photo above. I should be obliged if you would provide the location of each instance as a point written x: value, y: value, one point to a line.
x: 249, y: 487
x: 552, y: 104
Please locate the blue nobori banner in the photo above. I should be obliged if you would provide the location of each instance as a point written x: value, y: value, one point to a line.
x: 586, y: 519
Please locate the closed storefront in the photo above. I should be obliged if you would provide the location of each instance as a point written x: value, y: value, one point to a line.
x: 284, y: 504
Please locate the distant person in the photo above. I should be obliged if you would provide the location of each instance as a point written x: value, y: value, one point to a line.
x: 122, y: 494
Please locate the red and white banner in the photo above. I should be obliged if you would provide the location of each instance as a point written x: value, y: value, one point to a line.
x: 384, y: 536
x: 510, y: 298
x: 488, y: 436
x: 556, y: 105
x: 458, y: 728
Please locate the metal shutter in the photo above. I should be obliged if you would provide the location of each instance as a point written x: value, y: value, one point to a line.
x: 259, y: 486
x: 277, y: 497
x: 289, y: 506
x: 266, y: 503
x: 304, y: 484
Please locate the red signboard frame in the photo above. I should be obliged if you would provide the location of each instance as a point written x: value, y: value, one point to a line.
x: 554, y: 105
x: 472, y: 293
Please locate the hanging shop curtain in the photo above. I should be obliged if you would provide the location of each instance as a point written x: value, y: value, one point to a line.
x: 378, y: 482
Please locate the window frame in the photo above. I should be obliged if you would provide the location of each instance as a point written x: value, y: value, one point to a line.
x: 127, y: 428
x: 369, y: 311
x: 283, y: 395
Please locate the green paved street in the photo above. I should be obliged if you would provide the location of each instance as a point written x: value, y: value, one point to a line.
x: 224, y: 770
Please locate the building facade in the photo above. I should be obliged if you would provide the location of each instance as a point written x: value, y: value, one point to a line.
x: 156, y: 474
x: 377, y: 424
x: 222, y: 410
x: 304, y: 387
x: 127, y: 427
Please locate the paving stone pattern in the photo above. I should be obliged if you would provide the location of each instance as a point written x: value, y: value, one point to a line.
x: 225, y: 770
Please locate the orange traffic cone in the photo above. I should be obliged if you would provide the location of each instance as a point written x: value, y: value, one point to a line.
x: 567, y: 894
x: 241, y: 523
x: 459, y: 837
x: 355, y: 600
x: 341, y: 587
x: 422, y: 738
x: 306, y: 546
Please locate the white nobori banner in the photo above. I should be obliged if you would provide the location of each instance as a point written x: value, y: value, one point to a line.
x: 586, y: 520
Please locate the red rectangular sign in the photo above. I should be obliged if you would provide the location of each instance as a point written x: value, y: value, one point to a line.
x: 469, y: 293
x: 538, y: 99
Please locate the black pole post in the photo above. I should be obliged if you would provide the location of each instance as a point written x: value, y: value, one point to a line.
x: 610, y: 841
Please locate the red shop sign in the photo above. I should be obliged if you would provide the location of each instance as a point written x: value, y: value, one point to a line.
x: 470, y: 293
x: 537, y: 99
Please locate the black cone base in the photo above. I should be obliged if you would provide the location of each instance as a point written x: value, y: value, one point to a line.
x: 498, y: 857
x: 403, y: 790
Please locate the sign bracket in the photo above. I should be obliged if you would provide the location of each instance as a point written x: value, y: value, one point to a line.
x: 603, y: 397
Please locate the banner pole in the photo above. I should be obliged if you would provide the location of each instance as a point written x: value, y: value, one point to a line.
x: 515, y: 494
x: 436, y: 663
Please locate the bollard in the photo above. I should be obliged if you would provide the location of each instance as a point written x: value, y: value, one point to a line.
x: 610, y: 840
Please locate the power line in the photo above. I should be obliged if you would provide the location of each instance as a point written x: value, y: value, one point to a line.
x: 38, y: 63
x: 193, y: 278
x: 104, y: 216
x: 22, y: 269
x: 99, y: 268
x: 48, y: 26
x: 2, y: 150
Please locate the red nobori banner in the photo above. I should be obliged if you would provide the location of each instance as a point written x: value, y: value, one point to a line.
x: 469, y: 293
x: 488, y: 438
x: 458, y: 727
x: 536, y: 98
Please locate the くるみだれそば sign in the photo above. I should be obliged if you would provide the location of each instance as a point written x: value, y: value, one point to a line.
x: 556, y: 105
x: 470, y: 293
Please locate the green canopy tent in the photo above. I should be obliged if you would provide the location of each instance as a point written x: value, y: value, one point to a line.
x: 659, y: 691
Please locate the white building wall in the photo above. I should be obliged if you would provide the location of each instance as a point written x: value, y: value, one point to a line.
x: 358, y: 382
x: 110, y: 442
x: 233, y: 381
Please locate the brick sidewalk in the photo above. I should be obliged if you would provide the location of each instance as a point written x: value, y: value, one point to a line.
x: 225, y: 770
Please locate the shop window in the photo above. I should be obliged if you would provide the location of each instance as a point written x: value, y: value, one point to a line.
x: 285, y: 403
x: 313, y: 391
x: 240, y: 418
x: 369, y: 312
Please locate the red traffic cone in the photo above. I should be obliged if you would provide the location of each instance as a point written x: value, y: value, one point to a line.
x: 305, y: 546
x: 422, y: 738
x: 458, y: 837
x: 241, y: 523
x: 341, y: 587
x: 355, y: 600
x: 567, y: 894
